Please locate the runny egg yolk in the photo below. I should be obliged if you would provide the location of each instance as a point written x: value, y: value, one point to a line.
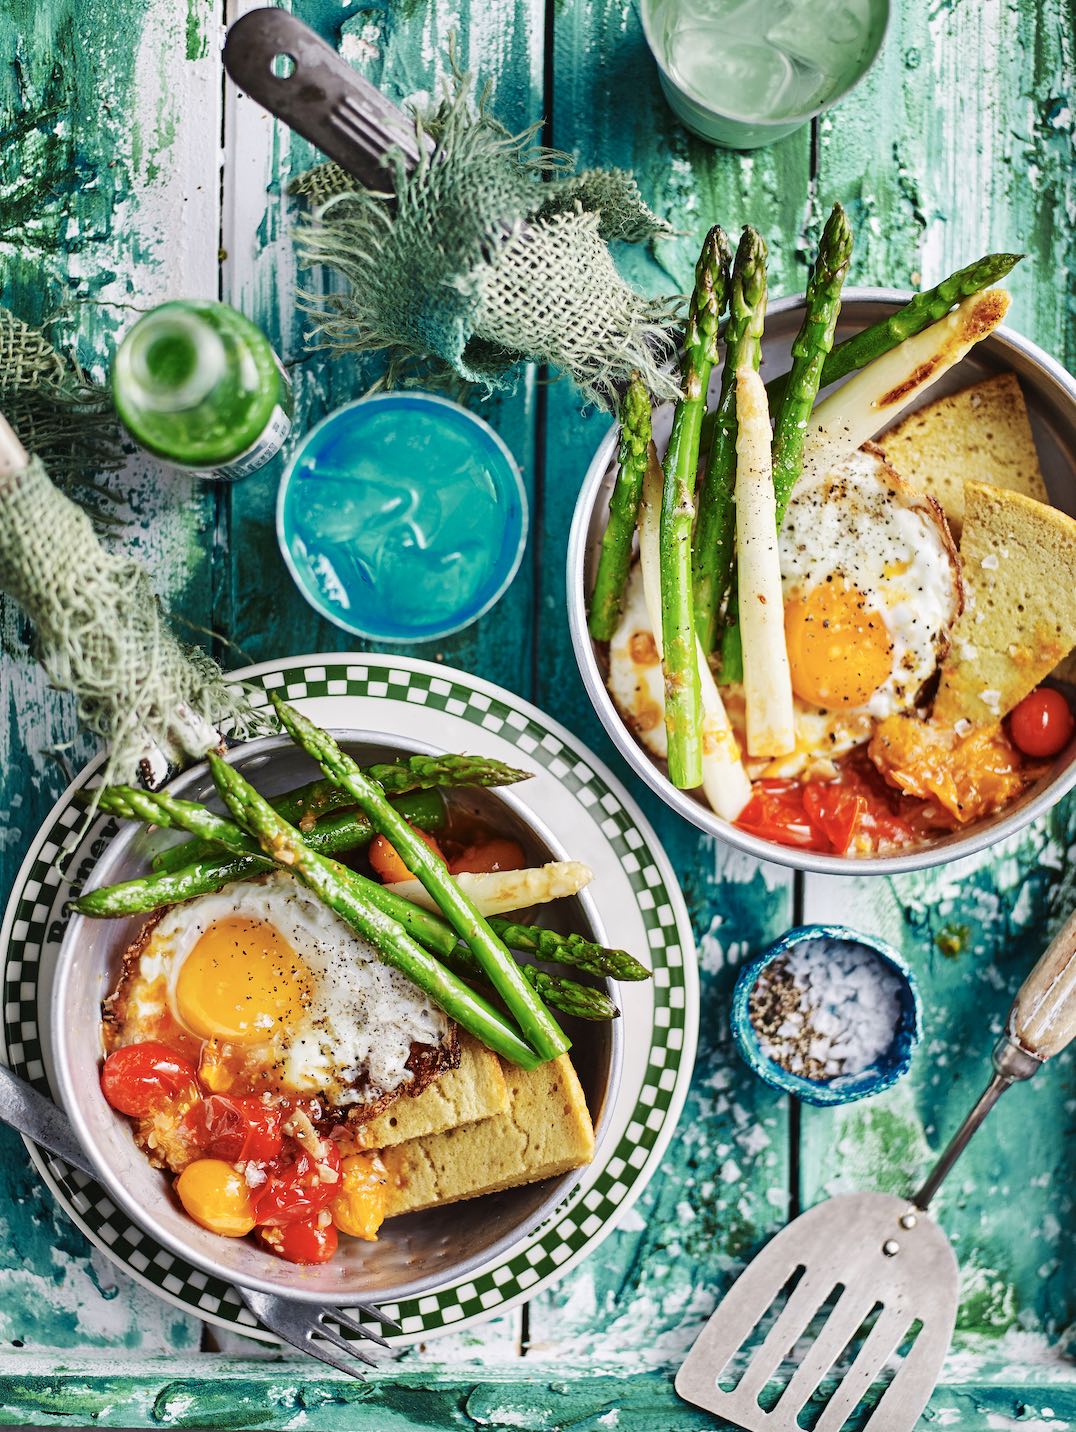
x: 241, y: 982
x: 839, y: 649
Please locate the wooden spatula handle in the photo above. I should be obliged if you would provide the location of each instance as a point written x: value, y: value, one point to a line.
x: 1043, y: 1017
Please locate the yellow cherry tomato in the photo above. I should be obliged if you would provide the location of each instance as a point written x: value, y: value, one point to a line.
x: 359, y: 1207
x: 216, y: 1197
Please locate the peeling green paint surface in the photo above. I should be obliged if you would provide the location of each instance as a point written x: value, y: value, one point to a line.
x: 959, y: 141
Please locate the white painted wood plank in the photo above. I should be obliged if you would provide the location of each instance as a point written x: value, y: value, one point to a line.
x: 162, y: 243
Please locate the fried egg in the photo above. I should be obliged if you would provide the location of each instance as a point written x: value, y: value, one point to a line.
x: 821, y: 737
x: 637, y: 687
x: 287, y: 998
x: 871, y: 585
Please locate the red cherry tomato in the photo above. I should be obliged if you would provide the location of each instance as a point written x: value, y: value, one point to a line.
x: 824, y: 815
x: 775, y: 812
x: 834, y: 810
x: 140, y: 1078
x: 302, y: 1242
x: 1042, y: 724
x: 295, y: 1190
x: 235, y: 1129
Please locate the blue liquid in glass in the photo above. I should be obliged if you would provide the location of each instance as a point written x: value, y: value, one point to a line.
x: 402, y: 517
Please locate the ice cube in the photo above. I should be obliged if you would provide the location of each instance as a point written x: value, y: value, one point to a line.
x: 730, y: 72
x: 825, y: 34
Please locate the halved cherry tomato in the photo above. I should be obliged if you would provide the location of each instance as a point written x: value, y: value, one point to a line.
x: 825, y: 815
x: 834, y: 810
x: 294, y: 1189
x: 775, y: 812
x: 1042, y: 724
x: 487, y: 856
x: 387, y: 861
x: 140, y: 1078
x: 235, y: 1129
x: 307, y: 1242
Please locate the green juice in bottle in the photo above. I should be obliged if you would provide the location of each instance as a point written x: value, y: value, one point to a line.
x: 197, y: 384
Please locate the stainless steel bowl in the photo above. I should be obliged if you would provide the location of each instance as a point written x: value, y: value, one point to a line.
x: 413, y: 1254
x: 1051, y: 398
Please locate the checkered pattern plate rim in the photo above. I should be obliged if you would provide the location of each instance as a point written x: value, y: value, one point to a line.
x: 354, y: 691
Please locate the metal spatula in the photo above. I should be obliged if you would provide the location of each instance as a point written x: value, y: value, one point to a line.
x: 870, y: 1271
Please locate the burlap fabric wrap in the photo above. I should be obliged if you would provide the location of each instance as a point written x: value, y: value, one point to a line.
x: 98, y: 629
x: 490, y: 252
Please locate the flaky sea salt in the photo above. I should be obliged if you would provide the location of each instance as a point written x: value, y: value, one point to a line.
x: 828, y: 1008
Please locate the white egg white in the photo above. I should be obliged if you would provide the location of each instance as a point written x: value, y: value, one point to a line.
x: 821, y: 737
x: 863, y: 524
x: 637, y: 687
x: 351, y: 1041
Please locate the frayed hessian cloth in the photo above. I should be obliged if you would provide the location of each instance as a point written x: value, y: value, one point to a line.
x: 489, y: 252
x: 100, y: 634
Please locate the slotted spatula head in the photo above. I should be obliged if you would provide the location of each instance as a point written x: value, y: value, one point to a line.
x: 882, y: 1270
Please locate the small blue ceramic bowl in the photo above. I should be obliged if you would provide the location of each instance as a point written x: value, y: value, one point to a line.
x: 842, y: 1089
x: 402, y: 517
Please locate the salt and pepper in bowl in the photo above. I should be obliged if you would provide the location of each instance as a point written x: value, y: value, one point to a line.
x: 827, y: 1014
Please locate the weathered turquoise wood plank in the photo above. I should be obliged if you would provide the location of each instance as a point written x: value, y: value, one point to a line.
x: 580, y: 1397
x: 723, y: 1187
x: 404, y: 51
x: 963, y: 169
x: 960, y: 141
x: 108, y: 199
x: 972, y: 932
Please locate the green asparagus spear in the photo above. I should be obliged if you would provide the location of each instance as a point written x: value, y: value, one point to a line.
x: 614, y: 560
x: 331, y: 883
x: 683, y: 712
x: 813, y: 342
x: 715, y: 530
x: 568, y: 995
x: 731, y: 645
x: 160, y: 808
x: 538, y: 1026
x: 918, y: 313
x: 344, y: 831
x: 571, y: 997
x: 573, y: 950
x: 808, y: 353
x: 415, y: 773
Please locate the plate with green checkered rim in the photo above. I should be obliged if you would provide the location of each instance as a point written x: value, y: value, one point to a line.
x: 635, y: 890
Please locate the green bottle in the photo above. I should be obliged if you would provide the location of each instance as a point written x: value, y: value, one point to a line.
x: 197, y: 384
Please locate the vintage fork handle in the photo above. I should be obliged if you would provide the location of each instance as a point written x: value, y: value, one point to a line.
x: 1040, y: 1024
x: 39, y: 1119
x: 1042, y: 1020
x: 323, y: 98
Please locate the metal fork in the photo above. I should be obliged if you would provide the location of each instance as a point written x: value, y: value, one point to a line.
x: 303, y: 1325
x: 32, y: 1114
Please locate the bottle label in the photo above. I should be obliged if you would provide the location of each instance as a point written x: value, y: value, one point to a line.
x: 273, y: 438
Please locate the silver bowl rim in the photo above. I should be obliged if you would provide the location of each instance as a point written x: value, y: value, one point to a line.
x: 922, y: 857
x: 114, y: 1186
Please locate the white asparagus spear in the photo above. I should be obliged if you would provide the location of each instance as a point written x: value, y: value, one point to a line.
x: 724, y: 780
x: 502, y: 891
x: 873, y: 397
x: 767, y: 680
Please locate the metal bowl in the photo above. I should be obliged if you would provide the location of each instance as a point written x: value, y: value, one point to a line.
x: 413, y: 1254
x: 1051, y: 399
